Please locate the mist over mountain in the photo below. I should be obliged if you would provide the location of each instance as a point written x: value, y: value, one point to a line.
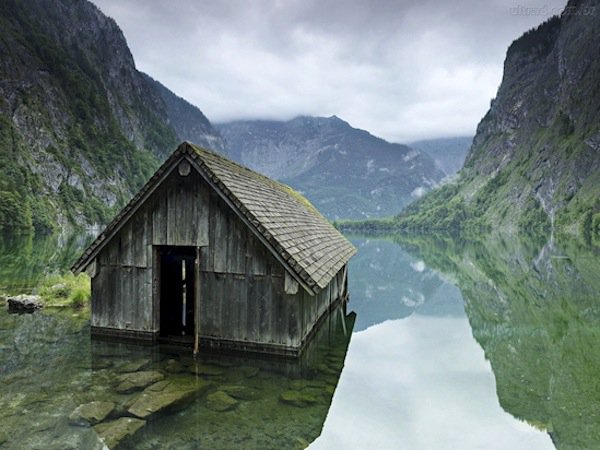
x: 346, y: 172
x: 535, y: 160
x: 448, y: 153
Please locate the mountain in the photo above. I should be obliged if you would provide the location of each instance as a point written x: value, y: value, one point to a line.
x: 187, y: 121
x: 535, y: 159
x: 448, y: 153
x: 81, y: 129
x: 346, y: 172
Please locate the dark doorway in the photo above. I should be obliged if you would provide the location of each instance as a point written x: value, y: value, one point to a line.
x: 177, y: 293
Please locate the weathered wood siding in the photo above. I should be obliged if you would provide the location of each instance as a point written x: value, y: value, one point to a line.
x: 242, y: 285
x: 124, y: 291
x: 312, y: 308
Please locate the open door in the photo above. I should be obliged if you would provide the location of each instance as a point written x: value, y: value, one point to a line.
x: 177, y: 293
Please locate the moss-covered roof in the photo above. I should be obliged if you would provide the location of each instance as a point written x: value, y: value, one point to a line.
x: 290, y: 225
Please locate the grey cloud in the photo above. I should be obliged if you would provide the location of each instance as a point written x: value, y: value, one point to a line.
x: 401, y: 69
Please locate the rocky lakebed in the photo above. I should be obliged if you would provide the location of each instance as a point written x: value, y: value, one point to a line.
x: 61, y: 390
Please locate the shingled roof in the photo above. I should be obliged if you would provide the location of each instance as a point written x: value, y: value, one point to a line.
x: 291, y: 227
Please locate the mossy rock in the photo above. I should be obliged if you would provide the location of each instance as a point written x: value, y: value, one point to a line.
x: 101, y: 363
x: 174, y: 366
x: 241, y: 392
x: 303, y: 383
x: 135, y: 366
x: 248, y: 371
x: 91, y: 413
x: 112, y: 433
x: 167, y: 395
x: 137, y: 380
x: 301, y: 399
x: 325, y: 369
x: 220, y: 401
x: 206, y: 370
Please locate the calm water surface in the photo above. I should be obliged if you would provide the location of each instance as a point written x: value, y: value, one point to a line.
x: 445, y: 344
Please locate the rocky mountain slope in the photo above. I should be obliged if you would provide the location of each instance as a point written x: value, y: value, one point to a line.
x: 80, y: 127
x: 535, y: 160
x: 448, y: 153
x: 346, y: 172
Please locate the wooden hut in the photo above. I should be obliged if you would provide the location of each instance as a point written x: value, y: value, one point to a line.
x: 213, y: 253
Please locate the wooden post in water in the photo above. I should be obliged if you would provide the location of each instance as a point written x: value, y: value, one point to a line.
x: 197, y: 302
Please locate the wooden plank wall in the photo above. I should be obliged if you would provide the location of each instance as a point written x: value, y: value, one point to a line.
x: 312, y: 308
x: 242, y: 296
x: 176, y: 214
x: 242, y: 284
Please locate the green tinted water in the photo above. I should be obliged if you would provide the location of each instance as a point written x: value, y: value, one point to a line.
x: 50, y: 367
x: 490, y: 344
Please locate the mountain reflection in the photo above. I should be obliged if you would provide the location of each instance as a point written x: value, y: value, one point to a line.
x: 534, y: 308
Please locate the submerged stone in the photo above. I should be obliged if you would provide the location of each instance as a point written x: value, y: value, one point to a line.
x: 303, y: 383
x: 135, y: 366
x: 241, y: 392
x: 166, y: 395
x: 91, y: 413
x: 24, y: 303
x: 101, y: 363
x: 220, y: 401
x: 112, y: 433
x: 137, y: 380
x: 324, y: 368
x: 206, y: 370
x: 174, y: 366
x: 300, y: 399
x: 249, y: 372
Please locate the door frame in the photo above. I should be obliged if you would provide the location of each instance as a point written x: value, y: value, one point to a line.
x: 157, y: 253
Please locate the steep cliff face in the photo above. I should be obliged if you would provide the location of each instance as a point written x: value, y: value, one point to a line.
x: 346, y: 172
x: 188, y: 122
x: 535, y: 159
x: 80, y: 128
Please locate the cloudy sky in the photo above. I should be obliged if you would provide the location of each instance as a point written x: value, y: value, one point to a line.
x: 403, y: 70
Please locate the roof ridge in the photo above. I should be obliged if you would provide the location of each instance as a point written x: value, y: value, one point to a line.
x: 292, y: 228
x: 275, y: 183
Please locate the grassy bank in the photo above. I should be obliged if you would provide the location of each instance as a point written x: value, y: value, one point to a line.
x: 66, y: 290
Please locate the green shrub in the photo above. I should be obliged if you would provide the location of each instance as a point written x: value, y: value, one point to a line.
x: 79, y: 297
x: 66, y: 290
x: 595, y: 232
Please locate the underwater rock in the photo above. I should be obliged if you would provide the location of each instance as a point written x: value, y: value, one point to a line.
x: 24, y: 303
x: 112, y: 433
x: 135, y: 366
x: 323, y: 368
x: 91, y: 413
x: 166, y: 395
x: 220, y: 401
x: 101, y: 363
x: 174, y: 366
x: 137, y: 380
x: 303, y: 383
x: 241, y: 392
x: 206, y: 370
x: 249, y: 372
x: 300, y: 399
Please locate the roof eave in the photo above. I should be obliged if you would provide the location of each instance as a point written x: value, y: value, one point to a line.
x: 129, y: 210
x: 205, y: 173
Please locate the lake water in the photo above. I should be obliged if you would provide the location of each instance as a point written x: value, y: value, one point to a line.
x: 493, y: 344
